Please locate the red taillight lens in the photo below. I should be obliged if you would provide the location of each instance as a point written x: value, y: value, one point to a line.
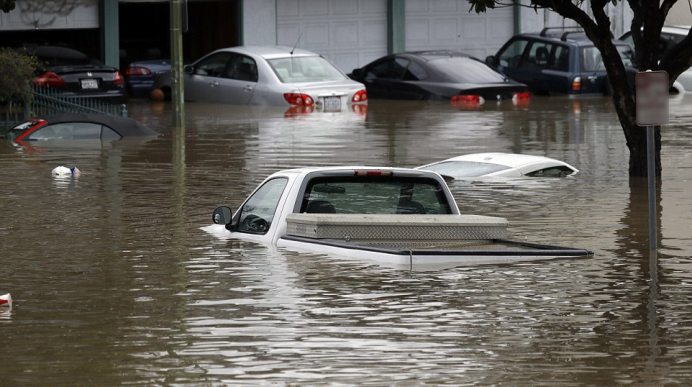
x: 521, y: 98
x: 137, y: 71
x: 360, y: 96
x: 464, y: 100
x: 576, y: 84
x: 365, y: 172
x: 298, y: 99
x: 49, y: 79
x: 119, y: 80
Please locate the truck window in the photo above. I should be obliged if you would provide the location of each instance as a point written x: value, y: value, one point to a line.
x: 258, y: 212
x: 374, y: 195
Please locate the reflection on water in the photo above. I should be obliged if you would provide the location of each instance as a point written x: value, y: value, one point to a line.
x: 115, y: 283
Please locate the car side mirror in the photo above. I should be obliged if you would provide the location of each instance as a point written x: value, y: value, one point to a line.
x: 222, y: 215
x: 491, y: 61
x: 188, y: 69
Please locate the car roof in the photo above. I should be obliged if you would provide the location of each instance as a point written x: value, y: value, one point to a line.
x: 126, y: 127
x: 676, y: 30
x: 270, y: 52
x: 512, y: 160
x: 435, y: 54
x: 574, y: 37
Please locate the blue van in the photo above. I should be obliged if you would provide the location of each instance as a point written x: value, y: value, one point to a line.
x: 557, y: 61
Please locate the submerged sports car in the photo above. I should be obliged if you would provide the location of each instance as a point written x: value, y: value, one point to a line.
x: 500, y: 165
x: 76, y: 126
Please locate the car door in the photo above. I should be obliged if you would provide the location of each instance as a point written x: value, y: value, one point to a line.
x: 556, y: 76
x: 509, y: 60
x: 202, y: 80
x: 239, y: 82
x: 382, y: 76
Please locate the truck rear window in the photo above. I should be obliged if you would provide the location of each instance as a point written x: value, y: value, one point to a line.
x: 374, y: 195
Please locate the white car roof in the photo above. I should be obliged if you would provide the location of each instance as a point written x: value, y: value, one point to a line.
x: 270, y: 52
x: 676, y: 30
x: 511, y: 160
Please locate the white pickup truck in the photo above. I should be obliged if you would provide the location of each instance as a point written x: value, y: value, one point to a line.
x: 391, y: 215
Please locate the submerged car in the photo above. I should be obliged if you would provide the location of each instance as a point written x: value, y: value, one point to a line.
x: 76, y: 126
x: 259, y: 75
x: 558, y: 61
x: 438, y: 75
x: 670, y: 36
x: 76, y: 74
x: 500, y: 165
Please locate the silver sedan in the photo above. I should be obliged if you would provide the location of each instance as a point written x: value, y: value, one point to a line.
x: 259, y: 75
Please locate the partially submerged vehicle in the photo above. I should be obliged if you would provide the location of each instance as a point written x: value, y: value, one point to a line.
x: 390, y: 215
x: 500, y: 165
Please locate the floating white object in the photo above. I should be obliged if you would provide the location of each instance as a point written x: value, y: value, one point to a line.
x: 63, y: 172
x: 6, y: 300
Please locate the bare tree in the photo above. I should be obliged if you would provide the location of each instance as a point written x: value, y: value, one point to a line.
x: 649, y: 17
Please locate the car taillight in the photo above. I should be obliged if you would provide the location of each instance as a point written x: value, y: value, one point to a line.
x: 298, y: 99
x: 360, y: 96
x: 576, y: 84
x: 119, y: 80
x: 467, y: 100
x: 365, y: 172
x: 521, y: 98
x: 49, y: 79
x: 137, y: 71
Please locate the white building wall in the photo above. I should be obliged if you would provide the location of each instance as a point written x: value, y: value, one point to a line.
x: 51, y: 15
x: 259, y: 22
x: 532, y: 21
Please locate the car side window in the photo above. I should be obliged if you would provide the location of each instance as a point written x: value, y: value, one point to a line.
x: 538, y: 55
x: 53, y: 132
x: 257, y: 214
x: 242, y: 68
x: 392, y: 68
x: 415, y: 72
x: 213, y: 65
x: 559, y: 59
x: 109, y: 134
x: 558, y: 171
x: 511, y: 56
x: 86, y: 131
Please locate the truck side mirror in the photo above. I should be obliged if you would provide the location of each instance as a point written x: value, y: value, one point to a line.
x: 222, y: 215
x: 491, y: 61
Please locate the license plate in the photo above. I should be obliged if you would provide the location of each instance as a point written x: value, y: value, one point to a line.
x: 90, y: 84
x: 332, y: 104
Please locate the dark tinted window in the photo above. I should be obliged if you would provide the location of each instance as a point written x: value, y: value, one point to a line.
x: 511, y: 56
x: 415, y: 72
x: 559, y: 171
x: 242, y: 68
x: 62, y: 56
x: 538, y: 56
x: 375, y: 195
x: 392, y: 68
x: 213, y: 65
x: 559, y: 58
x: 465, y: 70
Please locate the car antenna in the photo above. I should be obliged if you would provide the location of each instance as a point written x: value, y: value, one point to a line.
x: 296, y: 45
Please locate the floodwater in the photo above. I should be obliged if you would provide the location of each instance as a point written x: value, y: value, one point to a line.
x: 115, y: 283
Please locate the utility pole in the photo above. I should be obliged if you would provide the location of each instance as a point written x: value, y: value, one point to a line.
x: 177, y: 84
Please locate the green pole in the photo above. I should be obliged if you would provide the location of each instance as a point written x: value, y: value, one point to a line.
x: 177, y: 86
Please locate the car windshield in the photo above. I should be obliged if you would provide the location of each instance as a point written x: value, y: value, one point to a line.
x: 461, y: 169
x: 465, y: 70
x: 374, y: 195
x: 63, y: 56
x: 592, y: 61
x: 301, y: 69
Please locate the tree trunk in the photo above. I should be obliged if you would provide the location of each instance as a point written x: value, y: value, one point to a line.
x: 637, y: 145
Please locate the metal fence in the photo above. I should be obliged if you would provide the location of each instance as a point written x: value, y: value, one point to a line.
x: 48, y: 101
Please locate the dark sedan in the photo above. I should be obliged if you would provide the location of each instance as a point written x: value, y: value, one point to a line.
x: 76, y: 126
x: 438, y: 75
x: 77, y: 74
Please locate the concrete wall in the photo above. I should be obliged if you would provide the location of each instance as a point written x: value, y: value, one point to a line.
x: 50, y: 15
x: 259, y: 22
x: 532, y: 21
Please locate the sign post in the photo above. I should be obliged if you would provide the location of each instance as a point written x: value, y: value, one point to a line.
x: 652, y: 110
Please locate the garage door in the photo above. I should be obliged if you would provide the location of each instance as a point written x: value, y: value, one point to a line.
x: 447, y: 24
x: 351, y: 33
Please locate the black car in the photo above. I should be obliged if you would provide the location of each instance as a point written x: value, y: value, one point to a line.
x: 77, y: 74
x: 76, y: 126
x: 558, y: 61
x: 437, y: 75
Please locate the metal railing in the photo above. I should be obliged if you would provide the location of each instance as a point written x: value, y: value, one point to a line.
x: 48, y: 101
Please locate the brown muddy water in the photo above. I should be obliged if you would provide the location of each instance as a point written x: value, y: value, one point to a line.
x: 116, y: 284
